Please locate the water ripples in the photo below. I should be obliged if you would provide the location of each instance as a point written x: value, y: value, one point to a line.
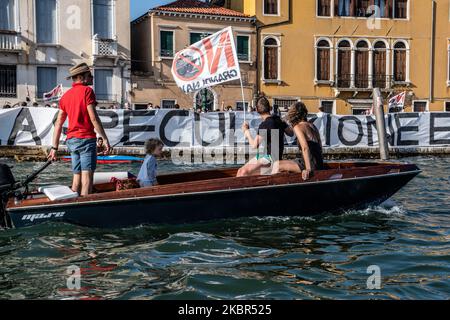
x: 323, y: 257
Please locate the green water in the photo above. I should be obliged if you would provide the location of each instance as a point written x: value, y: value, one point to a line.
x: 408, y: 238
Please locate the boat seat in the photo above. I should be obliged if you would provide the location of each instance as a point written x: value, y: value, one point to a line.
x: 56, y: 192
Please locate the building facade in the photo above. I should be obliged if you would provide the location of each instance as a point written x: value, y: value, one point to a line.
x: 165, y: 30
x: 41, y: 39
x: 332, y: 53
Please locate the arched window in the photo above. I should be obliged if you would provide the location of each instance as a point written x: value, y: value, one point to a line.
x: 400, y: 56
x: 271, y: 59
x: 362, y: 65
x: 379, y: 65
x: 344, y: 64
x: 323, y: 60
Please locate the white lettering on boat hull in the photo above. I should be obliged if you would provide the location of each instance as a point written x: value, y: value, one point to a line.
x: 42, y: 216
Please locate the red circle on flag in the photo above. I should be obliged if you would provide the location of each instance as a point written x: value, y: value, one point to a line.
x: 188, y: 64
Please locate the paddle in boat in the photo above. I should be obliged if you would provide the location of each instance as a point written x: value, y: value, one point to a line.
x: 206, y: 195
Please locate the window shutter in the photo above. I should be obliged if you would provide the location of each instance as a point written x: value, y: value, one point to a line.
x: 195, y: 37
x: 103, y: 84
x: 379, y: 68
x: 362, y: 63
x: 271, y: 63
x: 323, y: 67
x: 7, y: 15
x: 103, y: 13
x: 243, y: 48
x: 400, y: 65
x: 344, y: 68
x: 46, y: 21
x: 46, y: 80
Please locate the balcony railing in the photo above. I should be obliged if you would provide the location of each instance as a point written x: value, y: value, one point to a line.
x: 104, y: 47
x: 9, y: 40
x: 363, y: 82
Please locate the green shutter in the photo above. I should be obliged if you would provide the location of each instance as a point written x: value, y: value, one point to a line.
x: 195, y: 37
x: 167, y: 44
x: 243, y: 48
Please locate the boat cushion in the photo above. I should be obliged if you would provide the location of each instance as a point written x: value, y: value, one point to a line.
x: 55, y: 193
x: 105, y: 177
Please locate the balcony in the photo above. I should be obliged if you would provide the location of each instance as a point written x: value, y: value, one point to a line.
x: 10, y: 40
x: 104, y: 47
x: 351, y: 82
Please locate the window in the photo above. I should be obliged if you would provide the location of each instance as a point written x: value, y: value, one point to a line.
x: 385, y: 8
x: 447, y: 106
x: 197, y: 36
x: 240, y: 106
x: 284, y: 104
x: 323, y: 60
x: 324, y: 8
x: 344, y: 8
x: 327, y: 106
x: 362, y: 7
x: 344, y: 64
x: 103, y: 19
x: 420, y: 106
x: 46, y: 21
x: 167, y: 43
x: 360, y: 111
x: 103, y: 84
x: 362, y: 65
x: 140, y: 107
x: 270, y: 7
x: 46, y: 80
x: 8, y: 81
x: 7, y: 15
x: 243, y: 48
x: 168, y: 104
x: 400, y: 52
x: 400, y: 9
x: 271, y: 59
x: 379, y: 65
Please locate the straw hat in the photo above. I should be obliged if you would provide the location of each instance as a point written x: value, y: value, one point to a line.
x: 78, y: 69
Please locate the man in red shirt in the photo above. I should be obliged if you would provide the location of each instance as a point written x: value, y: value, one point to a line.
x: 78, y: 104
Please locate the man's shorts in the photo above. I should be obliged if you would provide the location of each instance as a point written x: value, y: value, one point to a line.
x: 83, y: 153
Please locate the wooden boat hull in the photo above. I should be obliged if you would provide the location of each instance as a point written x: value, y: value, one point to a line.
x: 340, y: 192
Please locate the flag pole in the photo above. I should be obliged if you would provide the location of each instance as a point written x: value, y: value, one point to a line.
x: 243, y: 100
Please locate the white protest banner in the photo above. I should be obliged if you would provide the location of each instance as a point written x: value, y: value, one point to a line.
x: 181, y: 128
x: 209, y: 62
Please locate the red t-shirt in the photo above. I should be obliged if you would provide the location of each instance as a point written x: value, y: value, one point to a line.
x: 75, y: 102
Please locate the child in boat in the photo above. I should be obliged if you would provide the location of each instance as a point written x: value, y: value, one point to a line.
x: 309, y: 143
x: 147, y: 174
x: 264, y: 138
x: 100, y: 147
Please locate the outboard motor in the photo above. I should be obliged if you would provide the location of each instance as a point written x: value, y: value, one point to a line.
x: 7, y: 183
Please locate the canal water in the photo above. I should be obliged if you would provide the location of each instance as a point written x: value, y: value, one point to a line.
x: 407, y: 240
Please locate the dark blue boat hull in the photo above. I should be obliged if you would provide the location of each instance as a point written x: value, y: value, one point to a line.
x: 306, y: 199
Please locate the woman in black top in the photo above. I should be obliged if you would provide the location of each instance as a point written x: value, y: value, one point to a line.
x: 309, y: 142
x: 273, y: 150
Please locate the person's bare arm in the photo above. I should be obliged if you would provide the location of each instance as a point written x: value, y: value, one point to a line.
x: 254, y: 143
x: 62, y: 116
x: 306, y: 152
x: 95, y: 119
